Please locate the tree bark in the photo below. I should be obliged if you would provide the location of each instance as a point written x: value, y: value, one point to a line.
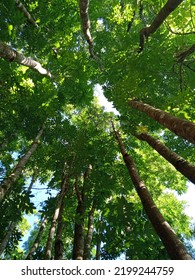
x: 89, y: 236
x: 173, y: 245
x: 78, y: 246
x: 11, y: 55
x: 7, y: 183
x: 183, y: 166
x: 180, y: 127
x: 36, y: 242
x: 58, y: 240
x: 22, y: 8
x: 48, y: 248
x: 168, y: 8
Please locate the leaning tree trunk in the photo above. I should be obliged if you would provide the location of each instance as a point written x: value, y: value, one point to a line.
x: 168, y: 8
x: 22, y: 8
x: 37, y: 239
x: 173, y: 245
x: 89, y: 236
x: 78, y: 245
x: 180, y: 127
x: 11, y: 55
x: 183, y: 166
x: 7, y: 183
x: 48, y: 248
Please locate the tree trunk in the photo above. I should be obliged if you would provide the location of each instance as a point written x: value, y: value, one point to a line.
x: 48, y: 248
x: 36, y: 242
x: 58, y: 241
x: 6, y: 184
x: 6, y: 237
x: 168, y: 8
x: 178, y: 126
x: 78, y: 246
x: 11, y: 55
x: 183, y: 166
x: 173, y: 245
x: 90, y: 229
x: 22, y: 8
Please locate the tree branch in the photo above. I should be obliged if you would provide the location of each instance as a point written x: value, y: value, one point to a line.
x: 22, y: 8
x: 11, y: 55
x: 166, y: 10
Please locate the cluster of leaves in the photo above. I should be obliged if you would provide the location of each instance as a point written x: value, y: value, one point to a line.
x: 77, y: 130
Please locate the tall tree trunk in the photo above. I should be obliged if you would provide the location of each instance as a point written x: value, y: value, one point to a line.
x: 48, y: 248
x: 7, y: 183
x: 6, y: 237
x: 22, y: 8
x: 183, y: 166
x: 168, y: 8
x: 78, y: 246
x: 173, y: 245
x: 98, y: 241
x: 89, y: 236
x: 58, y: 240
x: 178, y: 126
x: 12, y: 55
x: 37, y: 239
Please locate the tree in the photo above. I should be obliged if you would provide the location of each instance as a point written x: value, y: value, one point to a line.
x: 178, y: 126
x: 187, y: 169
x: 173, y: 245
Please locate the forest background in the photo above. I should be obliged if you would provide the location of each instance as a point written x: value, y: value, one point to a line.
x: 112, y: 180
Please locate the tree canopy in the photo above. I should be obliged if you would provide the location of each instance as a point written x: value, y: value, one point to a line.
x: 57, y: 140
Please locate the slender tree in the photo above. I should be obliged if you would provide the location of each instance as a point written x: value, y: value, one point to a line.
x: 37, y: 239
x: 26, y: 13
x: 173, y: 245
x: 78, y: 245
x: 177, y: 125
x: 60, y: 198
x: 168, y: 8
x: 7, y: 183
x: 89, y: 235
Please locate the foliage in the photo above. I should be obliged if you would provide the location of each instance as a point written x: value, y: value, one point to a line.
x: 78, y: 131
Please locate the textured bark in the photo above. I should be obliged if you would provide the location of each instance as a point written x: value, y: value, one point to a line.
x: 58, y: 241
x: 180, y: 127
x: 78, y: 245
x: 89, y: 236
x: 168, y: 8
x: 22, y: 8
x: 173, y: 245
x: 37, y: 239
x: 183, y: 166
x: 7, y: 236
x: 85, y: 21
x: 7, y: 183
x: 49, y: 245
x: 11, y: 55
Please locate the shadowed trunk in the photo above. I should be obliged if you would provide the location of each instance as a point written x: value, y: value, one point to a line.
x: 89, y: 236
x: 180, y: 127
x: 22, y: 8
x: 78, y: 245
x: 173, y: 245
x: 168, y: 8
x: 36, y: 242
x: 48, y: 248
x: 7, y: 183
x: 184, y: 167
